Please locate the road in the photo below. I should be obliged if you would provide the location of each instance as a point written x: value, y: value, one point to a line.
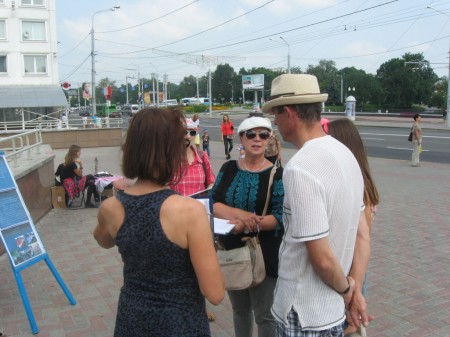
x: 380, y: 141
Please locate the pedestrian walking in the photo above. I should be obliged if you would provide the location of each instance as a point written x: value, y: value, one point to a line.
x: 227, y: 129
x: 205, y: 142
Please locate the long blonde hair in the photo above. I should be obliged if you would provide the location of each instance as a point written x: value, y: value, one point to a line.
x: 71, y: 154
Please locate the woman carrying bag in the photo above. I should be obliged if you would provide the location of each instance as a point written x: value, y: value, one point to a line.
x: 239, y: 195
x: 417, y: 140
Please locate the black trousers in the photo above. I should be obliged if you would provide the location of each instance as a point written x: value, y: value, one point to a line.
x: 91, y: 189
x: 228, y: 144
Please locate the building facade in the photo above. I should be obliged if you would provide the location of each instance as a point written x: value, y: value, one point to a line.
x: 29, y: 78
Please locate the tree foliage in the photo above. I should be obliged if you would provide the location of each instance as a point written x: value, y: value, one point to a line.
x: 399, y: 83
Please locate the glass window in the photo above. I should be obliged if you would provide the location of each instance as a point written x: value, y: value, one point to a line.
x: 33, y: 30
x: 2, y: 29
x: 3, y: 64
x: 33, y: 2
x: 35, y: 64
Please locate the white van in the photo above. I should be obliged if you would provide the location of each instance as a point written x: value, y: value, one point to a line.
x: 169, y: 102
x: 130, y: 109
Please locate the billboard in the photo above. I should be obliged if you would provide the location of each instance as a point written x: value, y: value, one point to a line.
x: 253, y: 82
x: 86, y: 87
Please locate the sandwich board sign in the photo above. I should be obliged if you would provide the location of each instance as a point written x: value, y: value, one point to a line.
x: 21, y: 239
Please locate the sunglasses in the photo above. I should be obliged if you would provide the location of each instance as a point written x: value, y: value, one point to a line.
x: 264, y: 135
x: 193, y: 133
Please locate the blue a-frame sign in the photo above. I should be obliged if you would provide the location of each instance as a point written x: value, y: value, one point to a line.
x: 21, y: 239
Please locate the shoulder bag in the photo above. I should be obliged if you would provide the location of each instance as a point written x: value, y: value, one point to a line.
x: 410, y: 137
x: 244, y: 267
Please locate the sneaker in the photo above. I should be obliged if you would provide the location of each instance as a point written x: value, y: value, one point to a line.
x: 90, y: 205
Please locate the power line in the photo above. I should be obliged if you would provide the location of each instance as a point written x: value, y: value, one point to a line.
x: 216, y: 26
x: 149, y: 21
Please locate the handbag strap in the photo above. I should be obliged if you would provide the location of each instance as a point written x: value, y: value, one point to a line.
x: 272, y: 173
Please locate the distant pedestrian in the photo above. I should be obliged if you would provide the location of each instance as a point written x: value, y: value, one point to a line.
x: 227, y: 135
x: 273, y: 149
x: 196, y: 121
x: 84, y: 118
x: 417, y: 140
x: 205, y: 142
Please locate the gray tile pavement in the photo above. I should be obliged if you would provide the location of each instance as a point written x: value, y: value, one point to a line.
x: 409, y: 273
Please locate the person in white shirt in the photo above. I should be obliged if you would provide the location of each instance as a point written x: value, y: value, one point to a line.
x: 323, y: 214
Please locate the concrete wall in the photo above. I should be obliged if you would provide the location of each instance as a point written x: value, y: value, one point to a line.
x: 62, y: 139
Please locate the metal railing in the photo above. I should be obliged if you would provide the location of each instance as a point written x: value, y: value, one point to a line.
x: 53, y: 122
x: 14, y: 146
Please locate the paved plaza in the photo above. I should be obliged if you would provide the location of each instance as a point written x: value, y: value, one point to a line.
x: 408, y: 276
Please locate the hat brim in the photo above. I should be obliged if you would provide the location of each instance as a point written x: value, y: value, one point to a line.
x: 290, y: 100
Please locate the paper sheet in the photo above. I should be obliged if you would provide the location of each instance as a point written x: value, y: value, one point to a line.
x: 221, y: 226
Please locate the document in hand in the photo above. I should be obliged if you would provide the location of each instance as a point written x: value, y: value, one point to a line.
x: 221, y: 226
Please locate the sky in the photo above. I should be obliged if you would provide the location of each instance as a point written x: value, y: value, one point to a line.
x: 187, y: 37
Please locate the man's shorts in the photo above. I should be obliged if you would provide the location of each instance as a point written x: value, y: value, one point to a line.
x: 293, y: 329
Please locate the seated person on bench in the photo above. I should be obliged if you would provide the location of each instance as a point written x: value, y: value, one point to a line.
x: 73, y: 179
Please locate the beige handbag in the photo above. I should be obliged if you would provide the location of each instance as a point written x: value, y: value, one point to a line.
x: 244, y: 267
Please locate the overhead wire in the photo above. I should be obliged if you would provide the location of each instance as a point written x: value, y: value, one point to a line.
x: 149, y: 21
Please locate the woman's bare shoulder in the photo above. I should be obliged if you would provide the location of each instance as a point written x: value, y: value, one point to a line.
x: 180, y: 205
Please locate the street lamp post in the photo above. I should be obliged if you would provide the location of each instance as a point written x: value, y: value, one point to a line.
x: 448, y: 78
x: 126, y: 81
x: 94, y: 102
x: 288, y: 55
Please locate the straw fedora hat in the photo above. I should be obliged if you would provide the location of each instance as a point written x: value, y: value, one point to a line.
x: 294, y: 89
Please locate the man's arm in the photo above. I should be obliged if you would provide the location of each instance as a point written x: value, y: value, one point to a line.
x: 328, y: 268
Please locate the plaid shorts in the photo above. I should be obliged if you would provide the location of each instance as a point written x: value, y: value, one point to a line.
x: 293, y: 329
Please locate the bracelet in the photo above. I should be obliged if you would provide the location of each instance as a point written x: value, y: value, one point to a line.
x: 345, y: 292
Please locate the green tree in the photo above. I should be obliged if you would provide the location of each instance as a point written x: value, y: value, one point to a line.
x: 367, y: 88
x: 221, y: 82
x: 439, y: 95
x: 188, y: 86
x: 406, y: 81
x: 328, y: 77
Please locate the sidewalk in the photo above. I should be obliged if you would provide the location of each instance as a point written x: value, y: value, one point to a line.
x: 408, y: 276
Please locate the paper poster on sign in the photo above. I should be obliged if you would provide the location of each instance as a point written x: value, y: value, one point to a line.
x: 22, y: 243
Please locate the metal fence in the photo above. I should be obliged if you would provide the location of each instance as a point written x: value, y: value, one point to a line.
x: 26, y: 142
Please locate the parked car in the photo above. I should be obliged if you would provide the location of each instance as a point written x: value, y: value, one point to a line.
x: 115, y: 114
x: 85, y: 112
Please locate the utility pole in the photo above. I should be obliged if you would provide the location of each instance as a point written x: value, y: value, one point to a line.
x: 202, y: 61
x: 94, y: 102
x: 448, y: 78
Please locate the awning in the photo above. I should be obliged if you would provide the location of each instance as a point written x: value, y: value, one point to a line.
x: 32, y: 96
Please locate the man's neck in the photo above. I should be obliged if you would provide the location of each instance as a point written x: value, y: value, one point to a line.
x: 306, y: 133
